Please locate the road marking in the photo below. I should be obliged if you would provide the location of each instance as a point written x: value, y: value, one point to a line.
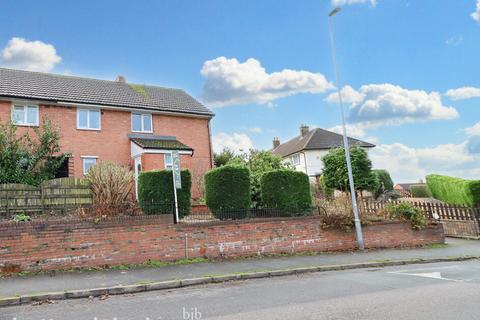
x: 431, y: 275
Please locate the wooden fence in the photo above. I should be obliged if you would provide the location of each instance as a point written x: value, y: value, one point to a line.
x: 461, y: 221
x: 51, y: 196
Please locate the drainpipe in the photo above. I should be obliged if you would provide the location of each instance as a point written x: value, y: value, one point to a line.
x: 210, y: 144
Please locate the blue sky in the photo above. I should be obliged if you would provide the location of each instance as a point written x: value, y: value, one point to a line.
x: 265, y: 67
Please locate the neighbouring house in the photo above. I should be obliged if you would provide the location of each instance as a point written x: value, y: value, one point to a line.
x: 305, y: 152
x: 137, y: 126
x: 405, y: 189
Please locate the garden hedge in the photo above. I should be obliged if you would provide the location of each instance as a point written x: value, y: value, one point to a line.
x: 420, y: 191
x: 227, y: 192
x: 454, y: 190
x: 286, y: 190
x: 155, y: 192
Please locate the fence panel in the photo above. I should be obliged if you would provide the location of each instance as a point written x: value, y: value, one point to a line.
x: 54, y: 195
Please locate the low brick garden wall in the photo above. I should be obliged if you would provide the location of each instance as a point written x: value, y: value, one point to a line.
x: 132, y: 240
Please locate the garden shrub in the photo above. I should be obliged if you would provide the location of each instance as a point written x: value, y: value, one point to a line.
x: 286, y: 190
x: 155, y: 192
x: 409, y: 212
x: 420, y: 191
x: 227, y: 192
x: 111, y: 184
x: 454, y: 190
x: 385, y: 182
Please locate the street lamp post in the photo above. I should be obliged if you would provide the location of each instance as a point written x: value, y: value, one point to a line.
x: 358, y: 226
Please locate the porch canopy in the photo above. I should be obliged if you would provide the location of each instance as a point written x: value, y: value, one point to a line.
x: 142, y: 143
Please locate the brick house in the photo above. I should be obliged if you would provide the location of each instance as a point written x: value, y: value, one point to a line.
x: 136, y: 126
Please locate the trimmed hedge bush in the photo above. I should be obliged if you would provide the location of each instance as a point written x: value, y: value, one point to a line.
x: 227, y: 192
x: 454, y: 190
x: 155, y: 192
x: 286, y: 190
x: 420, y: 191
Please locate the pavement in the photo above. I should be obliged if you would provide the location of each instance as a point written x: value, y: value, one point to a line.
x: 433, y: 291
x: 17, y: 290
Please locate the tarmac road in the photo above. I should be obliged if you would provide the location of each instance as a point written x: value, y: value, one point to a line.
x: 433, y: 291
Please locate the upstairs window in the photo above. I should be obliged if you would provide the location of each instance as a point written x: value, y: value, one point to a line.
x: 142, y: 122
x: 168, y: 161
x: 296, y: 159
x: 25, y: 115
x: 88, y: 119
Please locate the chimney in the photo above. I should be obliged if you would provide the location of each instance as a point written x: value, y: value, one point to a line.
x: 276, y: 142
x: 304, y: 130
x: 121, y: 79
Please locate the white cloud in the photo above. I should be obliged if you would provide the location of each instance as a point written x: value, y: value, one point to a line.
x: 237, y: 142
x: 463, y: 93
x: 387, y: 104
x: 357, y: 131
x: 230, y: 82
x: 476, y: 15
x: 408, y: 164
x: 454, y: 41
x: 473, y: 130
x: 343, y: 2
x: 255, y: 130
x: 29, y: 55
x: 349, y: 95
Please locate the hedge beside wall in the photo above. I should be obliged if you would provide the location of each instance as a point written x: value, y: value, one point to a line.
x: 286, y: 190
x: 227, y: 192
x: 155, y: 192
x: 454, y: 190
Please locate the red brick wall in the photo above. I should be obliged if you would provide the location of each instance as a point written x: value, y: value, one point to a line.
x: 111, y: 142
x: 66, y: 244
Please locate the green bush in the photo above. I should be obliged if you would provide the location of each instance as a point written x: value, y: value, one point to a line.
x: 288, y: 191
x: 454, y: 190
x: 420, y: 191
x: 409, y: 212
x: 227, y: 192
x: 155, y: 192
x: 385, y: 182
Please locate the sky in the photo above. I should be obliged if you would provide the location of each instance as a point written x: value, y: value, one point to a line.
x: 409, y: 69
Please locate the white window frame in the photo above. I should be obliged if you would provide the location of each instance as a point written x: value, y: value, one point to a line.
x: 296, y: 156
x: 88, y: 119
x: 142, y: 115
x: 25, y: 107
x: 87, y: 158
x: 168, y: 166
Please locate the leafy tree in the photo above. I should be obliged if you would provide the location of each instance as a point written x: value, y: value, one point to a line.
x: 259, y: 163
x: 29, y: 160
x: 385, y: 182
x: 222, y: 158
x: 335, y: 172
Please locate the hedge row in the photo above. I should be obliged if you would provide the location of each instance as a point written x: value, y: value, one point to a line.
x: 286, y: 190
x: 155, y: 192
x: 454, y: 190
x: 420, y: 191
x: 227, y: 193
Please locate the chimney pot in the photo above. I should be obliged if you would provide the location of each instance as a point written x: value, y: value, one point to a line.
x: 121, y: 79
x: 304, y: 130
x: 276, y: 142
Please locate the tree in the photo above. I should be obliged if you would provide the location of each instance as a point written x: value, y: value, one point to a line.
x: 28, y: 160
x: 222, y: 158
x: 335, y: 172
x: 259, y: 163
x: 385, y: 182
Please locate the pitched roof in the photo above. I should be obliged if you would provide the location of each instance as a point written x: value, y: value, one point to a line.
x: 408, y: 186
x: 61, y: 88
x: 316, y: 139
x: 158, y: 142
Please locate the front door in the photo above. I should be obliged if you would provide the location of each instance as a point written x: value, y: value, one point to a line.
x: 138, y: 169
